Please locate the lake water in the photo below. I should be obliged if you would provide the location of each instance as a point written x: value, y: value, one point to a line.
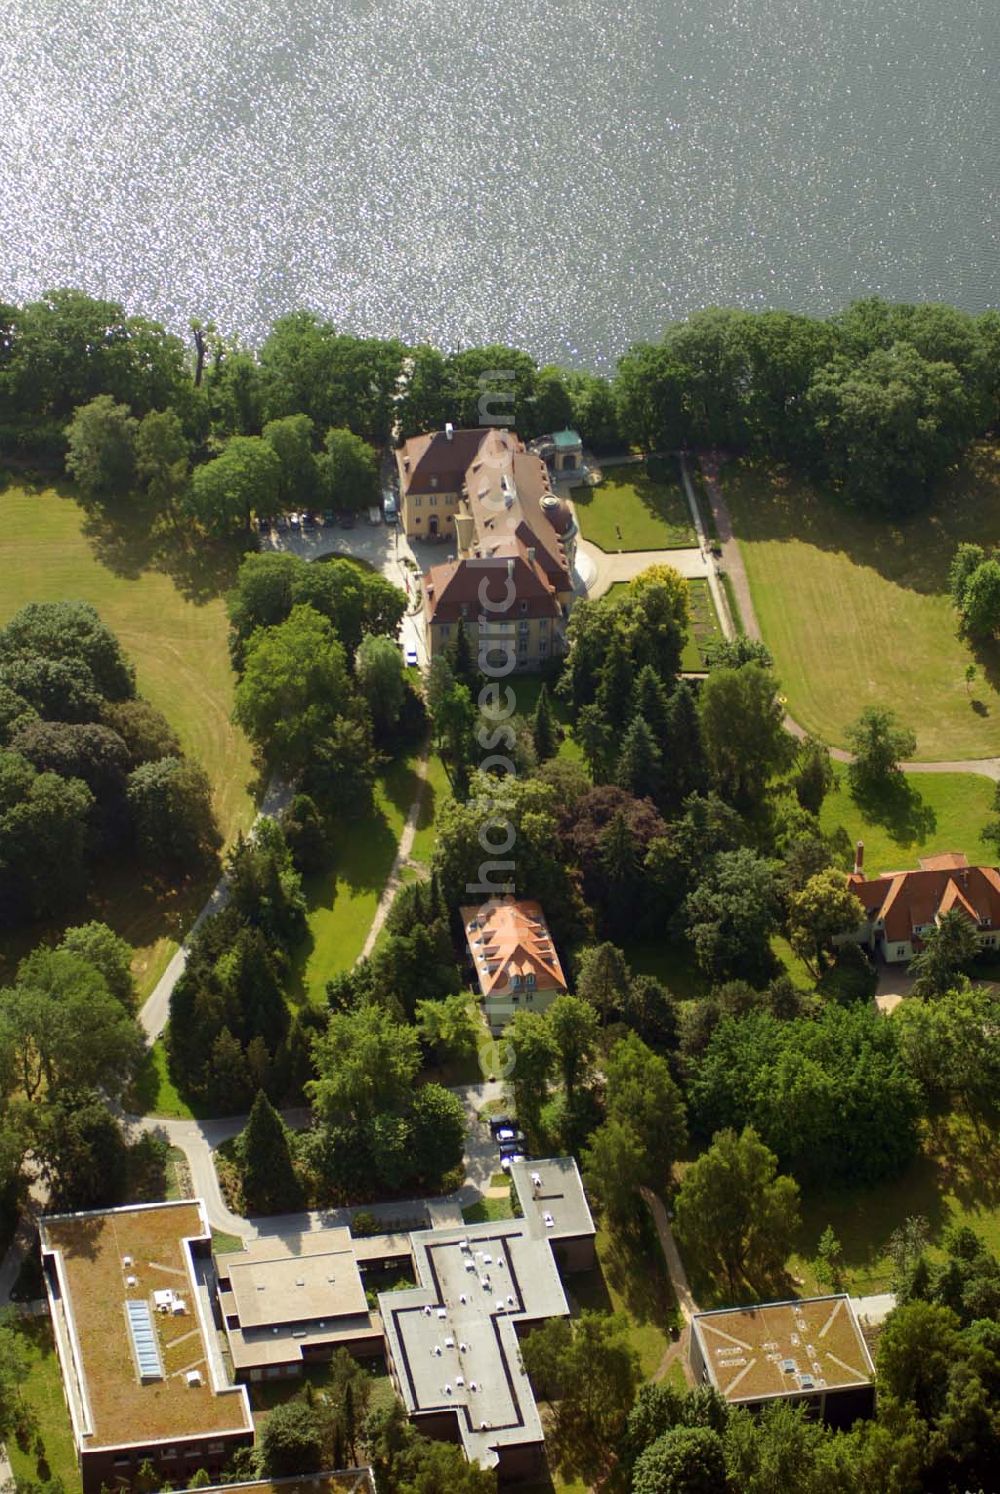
x: 566, y: 175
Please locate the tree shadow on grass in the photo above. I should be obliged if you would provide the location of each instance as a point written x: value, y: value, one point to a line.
x: 771, y: 502
x: 897, y: 805
x: 130, y: 537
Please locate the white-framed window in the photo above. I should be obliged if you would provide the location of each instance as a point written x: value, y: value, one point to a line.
x: 417, y: 501
x: 433, y: 500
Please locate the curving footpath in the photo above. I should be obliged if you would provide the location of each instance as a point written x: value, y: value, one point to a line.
x: 199, y: 1139
x: 987, y: 767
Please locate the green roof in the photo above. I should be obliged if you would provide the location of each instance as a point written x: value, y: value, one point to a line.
x: 566, y: 438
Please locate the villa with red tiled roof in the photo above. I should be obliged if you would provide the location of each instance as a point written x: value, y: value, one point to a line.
x: 515, y: 960
x: 901, y: 908
x: 509, y: 578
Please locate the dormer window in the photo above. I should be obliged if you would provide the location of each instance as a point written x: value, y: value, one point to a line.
x: 524, y: 606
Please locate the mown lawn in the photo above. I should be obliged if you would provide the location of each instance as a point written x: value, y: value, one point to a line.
x: 630, y: 510
x: 43, y: 1393
x: 630, y: 1278
x: 855, y: 608
x: 343, y: 900
x: 174, y: 629
x: 952, y: 1181
x: 931, y: 812
x: 154, y: 1091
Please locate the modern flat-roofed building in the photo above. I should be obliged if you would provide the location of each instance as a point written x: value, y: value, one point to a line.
x: 290, y: 1300
x: 339, y: 1481
x: 554, y: 1207
x: 452, y: 1341
x: 511, y: 951
x: 810, y: 1352
x: 129, y: 1295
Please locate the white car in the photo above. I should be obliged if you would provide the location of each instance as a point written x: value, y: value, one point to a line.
x: 410, y: 654
x: 506, y: 1161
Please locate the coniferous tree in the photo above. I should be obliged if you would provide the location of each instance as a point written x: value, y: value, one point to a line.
x: 620, y: 863
x: 595, y: 738
x: 639, y: 762
x: 462, y: 661
x: 683, y: 753
x: 614, y: 693
x: 651, y: 702
x: 270, y: 1184
x: 543, y: 729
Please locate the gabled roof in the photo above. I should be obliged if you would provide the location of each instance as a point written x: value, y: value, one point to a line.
x: 908, y: 900
x: 455, y: 585
x: 508, y: 938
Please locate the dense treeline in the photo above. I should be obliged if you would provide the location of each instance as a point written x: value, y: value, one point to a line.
x: 70, y: 1046
x: 88, y: 769
x: 878, y: 400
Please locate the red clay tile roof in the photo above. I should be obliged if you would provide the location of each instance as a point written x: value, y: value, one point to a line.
x: 508, y: 938
x: 455, y: 584
x: 906, y: 900
x: 502, y: 487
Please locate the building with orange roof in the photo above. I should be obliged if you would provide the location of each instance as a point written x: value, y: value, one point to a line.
x: 900, y: 908
x: 510, y: 573
x: 515, y: 960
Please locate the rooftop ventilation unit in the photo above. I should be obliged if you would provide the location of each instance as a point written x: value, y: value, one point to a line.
x: 193, y: 1377
x: 145, y: 1344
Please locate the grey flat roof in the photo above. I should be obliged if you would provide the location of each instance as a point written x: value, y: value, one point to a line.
x: 476, y: 1283
x: 295, y: 1278
x: 557, y: 1196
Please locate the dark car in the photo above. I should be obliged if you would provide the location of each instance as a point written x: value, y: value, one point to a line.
x: 513, y: 1148
x: 500, y: 1123
x: 346, y: 519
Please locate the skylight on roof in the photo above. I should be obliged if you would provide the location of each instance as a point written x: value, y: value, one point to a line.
x: 145, y: 1343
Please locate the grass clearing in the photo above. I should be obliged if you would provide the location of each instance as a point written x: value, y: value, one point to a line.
x: 639, y: 506
x: 154, y: 1091
x: 952, y: 1181
x: 933, y: 812
x: 486, y: 1210
x: 342, y: 901
x: 630, y: 1278
x: 855, y: 607
x: 437, y: 791
x: 174, y: 629
x: 43, y: 1392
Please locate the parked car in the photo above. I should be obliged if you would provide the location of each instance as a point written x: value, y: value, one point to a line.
x: 500, y: 1123
x: 505, y: 1162
x: 512, y: 1148
x: 328, y: 517
x: 346, y: 519
x: 389, y: 508
x: 410, y: 654
x: 375, y: 514
x: 306, y: 520
x: 293, y: 519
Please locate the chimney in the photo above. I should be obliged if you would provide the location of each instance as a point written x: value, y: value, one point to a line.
x: 449, y: 430
x: 531, y: 554
x: 859, y: 858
